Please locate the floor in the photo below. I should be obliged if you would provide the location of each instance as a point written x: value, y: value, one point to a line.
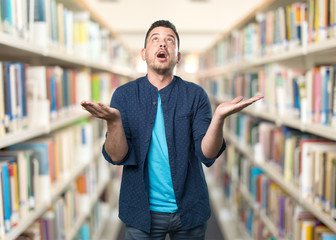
x: 213, y: 231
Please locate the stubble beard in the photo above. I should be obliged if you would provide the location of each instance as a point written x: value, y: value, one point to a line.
x: 159, y: 69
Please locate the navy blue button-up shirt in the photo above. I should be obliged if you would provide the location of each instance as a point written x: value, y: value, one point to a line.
x: 187, y: 115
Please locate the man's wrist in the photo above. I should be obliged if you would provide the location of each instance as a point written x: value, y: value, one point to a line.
x: 113, y: 124
x: 218, y: 119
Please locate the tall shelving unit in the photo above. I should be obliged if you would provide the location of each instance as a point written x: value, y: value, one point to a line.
x: 254, y: 49
x: 101, y: 182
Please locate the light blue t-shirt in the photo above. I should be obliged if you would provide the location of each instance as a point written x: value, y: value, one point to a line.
x: 161, y: 192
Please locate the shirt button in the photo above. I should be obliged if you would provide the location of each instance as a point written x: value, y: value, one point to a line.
x: 154, y: 103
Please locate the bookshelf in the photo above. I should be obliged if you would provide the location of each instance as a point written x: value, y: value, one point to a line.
x: 279, y: 120
x: 285, y: 51
x: 56, y: 192
x: 313, y: 53
x: 261, y: 214
x: 82, y: 218
x: 223, y: 213
x: 53, y: 54
x: 278, y: 178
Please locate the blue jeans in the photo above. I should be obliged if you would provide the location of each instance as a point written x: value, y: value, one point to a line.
x: 163, y: 224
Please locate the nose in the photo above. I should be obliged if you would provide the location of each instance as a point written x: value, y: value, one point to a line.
x: 163, y: 45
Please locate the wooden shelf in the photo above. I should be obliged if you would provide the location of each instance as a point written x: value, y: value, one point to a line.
x: 272, y: 228
x: 112, y: 224
x: 69, y: 119
x: 16, y: 49
x: 326, y: 46
x: 317, y: 129
x: 30, y: 133
x: 304, y: 57
x: 315, y: 50
x: 293, y: 191
x: 22, y: 135
x: 312, y: 128
x: 81, y: 218
x: 228, y: 222
x: 56, y: 191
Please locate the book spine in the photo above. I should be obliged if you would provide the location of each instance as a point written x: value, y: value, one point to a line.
x: 7, y: 198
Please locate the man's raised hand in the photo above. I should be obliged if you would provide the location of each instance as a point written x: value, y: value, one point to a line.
x: 225, y: 109
x: 100, y: 110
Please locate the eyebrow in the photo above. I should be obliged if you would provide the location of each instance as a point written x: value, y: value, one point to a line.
x: 170, y: 35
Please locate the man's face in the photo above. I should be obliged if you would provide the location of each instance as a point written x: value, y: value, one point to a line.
x: 161, y: 52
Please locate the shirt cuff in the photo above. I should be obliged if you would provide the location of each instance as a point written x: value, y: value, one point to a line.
x: 208, y: 161
x: 121, y: 162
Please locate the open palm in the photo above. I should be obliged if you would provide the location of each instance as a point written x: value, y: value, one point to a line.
x: 226, y: 109
x: 100, y: 110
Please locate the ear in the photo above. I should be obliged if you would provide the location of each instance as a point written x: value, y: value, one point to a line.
x: 143, y: 54
x: 179, y: 57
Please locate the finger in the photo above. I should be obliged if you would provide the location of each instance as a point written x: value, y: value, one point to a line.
x: 86, y: 104
x: 93, y: 111
x: 93, y: 108
x: 255, y: 98
x: 91, y: 104
x: 102, y: 105
x: 105, y: 110
x: 83, y: 102
x: 108, y: 109
x: 101, y: 110
x: 237, y: 99
x: 241, y: 105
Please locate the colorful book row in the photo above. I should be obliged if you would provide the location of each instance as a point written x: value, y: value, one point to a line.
x: 37, y: 95
x: 58, y: 222
x: 31, y: 170
x: 266, y: 210
x: 275, y: 31
x: 307, y: 161
x: 308, y: 96
x: 52, y: 25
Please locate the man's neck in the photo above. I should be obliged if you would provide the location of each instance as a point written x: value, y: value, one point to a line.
x: 160, y: 81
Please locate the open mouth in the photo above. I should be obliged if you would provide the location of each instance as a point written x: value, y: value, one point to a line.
x: 162, y: 55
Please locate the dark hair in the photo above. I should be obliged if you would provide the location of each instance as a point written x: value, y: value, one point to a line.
x: 163, y: 23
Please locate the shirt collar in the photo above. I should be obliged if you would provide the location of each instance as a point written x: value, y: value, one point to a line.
x: 163, y: 90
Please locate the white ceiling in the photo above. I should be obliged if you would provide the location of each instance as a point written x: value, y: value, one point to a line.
x: 198, y: 22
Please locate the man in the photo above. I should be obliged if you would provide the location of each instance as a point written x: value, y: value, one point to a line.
x: 161, y: 129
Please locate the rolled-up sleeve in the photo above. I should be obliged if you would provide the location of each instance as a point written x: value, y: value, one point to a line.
x: 118, y: 102
x: 201, y: 124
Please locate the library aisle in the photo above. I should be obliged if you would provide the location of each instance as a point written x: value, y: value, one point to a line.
x: 276, y: 178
